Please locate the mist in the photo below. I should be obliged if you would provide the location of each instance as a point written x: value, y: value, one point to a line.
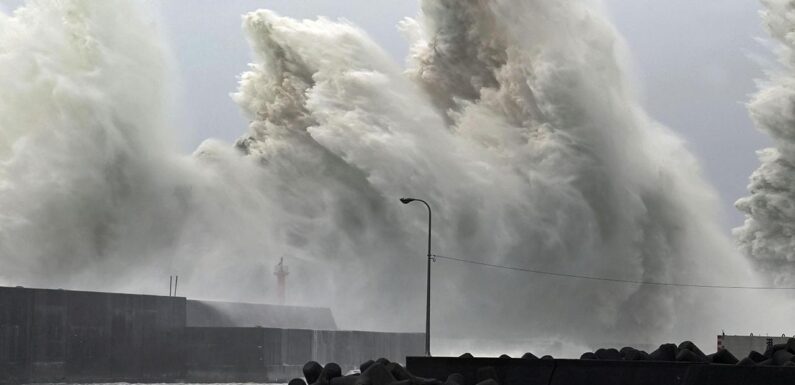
x: 515, y: 120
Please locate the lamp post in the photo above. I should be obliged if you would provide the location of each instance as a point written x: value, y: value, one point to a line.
x: 406, y: 201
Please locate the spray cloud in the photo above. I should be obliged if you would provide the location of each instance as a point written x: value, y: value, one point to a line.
x: 768, y: 234
x: 514, y: 120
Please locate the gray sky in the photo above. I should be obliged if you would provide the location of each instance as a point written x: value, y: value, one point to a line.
x: 211, y: 51
x: 696, y: 62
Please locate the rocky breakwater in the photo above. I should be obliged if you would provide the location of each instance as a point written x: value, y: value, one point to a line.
x: 378, y: 372
x: 684, y: 363
x: 775, y: 355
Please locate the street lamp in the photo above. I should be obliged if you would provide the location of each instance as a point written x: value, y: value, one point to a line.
x: 406, y: 201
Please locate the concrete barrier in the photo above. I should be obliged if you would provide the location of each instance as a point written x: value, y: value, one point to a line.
x: 73, y: 336
x: 512, y: 371
x: 509, y: 370
x: 236, y: 314
x: 58, y: 335
x: 739, y: 375
x: 593, y: 372
x: 277, y: 355
x: 15, y: 322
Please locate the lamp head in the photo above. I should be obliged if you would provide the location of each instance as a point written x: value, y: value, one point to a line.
x: 406, y: 201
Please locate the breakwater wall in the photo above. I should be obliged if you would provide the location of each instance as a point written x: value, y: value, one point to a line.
x: 57, y: 335
x: 517, y: 371
x: 265, y: 354
x: 73, y: 336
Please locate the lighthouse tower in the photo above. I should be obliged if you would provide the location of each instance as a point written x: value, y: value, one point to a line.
x: 281, y: 272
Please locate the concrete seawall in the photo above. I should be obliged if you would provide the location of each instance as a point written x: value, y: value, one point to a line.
x: 73, y: 336
x: 513, y: 371
x: 57, y: 335
x: 278, y: 355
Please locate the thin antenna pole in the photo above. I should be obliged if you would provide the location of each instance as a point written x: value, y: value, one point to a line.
x: 281, y: 273
x: 170, y: 281
x: 176, y: 281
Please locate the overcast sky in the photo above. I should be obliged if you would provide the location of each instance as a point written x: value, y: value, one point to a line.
x: 697, y: 63
x: 695, y: 60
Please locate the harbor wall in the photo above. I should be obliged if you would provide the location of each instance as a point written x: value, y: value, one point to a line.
x: 744, y: 344
x: 277, y: 355
x: 74, y: 336
x: 515, y: 371
x: 58, y: 335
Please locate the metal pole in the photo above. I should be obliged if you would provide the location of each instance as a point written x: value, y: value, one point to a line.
x: 176, y: 281
x: 428, y: 289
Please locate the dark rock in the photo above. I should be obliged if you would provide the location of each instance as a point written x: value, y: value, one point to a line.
x: 344, y: 380
x: 599, y: 353
x: 635, y: 355
x: 791, y: 345
x: 466, y: 355
x: 723, y: 356
x: 747, y: 361
x: 331, y: 370
x: 756, y: 356
x: 529, y: 356
x: 455, y: 379
x: 688, y: 345
x: 547, y: 357
x: 773, y: 349
x: 424, y: 381
x: 608, y: 354
x: 588, y: 356
x: 788, y: 363
x: 780, y: 357
x: 685, y: 355
x: 485, y: 373
x: 399, y: 372
x: 488, y: 382
x: 666, y: 352
x: 767, y: 362
x: 382, y: 361
x: 504, y: 356
x: 312, y: 371
x: 626, y: 350
x: 768, y: 352
x: 377, y: 374
x: 297, y: 381
x: 365, y: 365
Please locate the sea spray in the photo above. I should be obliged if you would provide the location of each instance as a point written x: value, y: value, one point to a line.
x: 514, y: 121
x: 561, y: 168
x: 768, y: 234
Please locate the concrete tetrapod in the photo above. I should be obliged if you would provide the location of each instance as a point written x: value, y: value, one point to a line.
x: 312, y: 371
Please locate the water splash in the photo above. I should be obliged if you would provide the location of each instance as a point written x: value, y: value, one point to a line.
x: 767, y: 235
x: 514, y: 121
